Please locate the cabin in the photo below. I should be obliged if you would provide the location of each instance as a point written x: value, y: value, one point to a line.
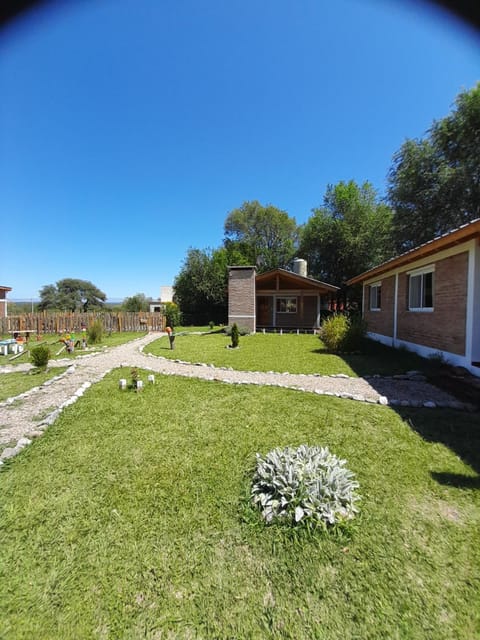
x: 277, y: 299
x: 428, y: 299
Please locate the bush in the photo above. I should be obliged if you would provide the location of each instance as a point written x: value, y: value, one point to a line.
x: 95, y: 332
x: 242, y: 331
x: 307, y: 485
x: 235, y: 336
x: 40, y: 355
x: 211, y: 324
x: 172, y: 314
x: 341, y: 333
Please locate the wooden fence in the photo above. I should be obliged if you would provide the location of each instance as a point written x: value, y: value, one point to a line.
x: 44, y: 323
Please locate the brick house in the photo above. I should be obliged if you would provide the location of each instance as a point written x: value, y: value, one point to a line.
x: 428, y: 299
x: 3, y: 301
x: 277, y: 299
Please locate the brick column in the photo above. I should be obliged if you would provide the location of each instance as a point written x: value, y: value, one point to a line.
x: 241, y: 297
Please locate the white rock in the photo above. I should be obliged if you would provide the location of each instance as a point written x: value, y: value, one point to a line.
x: 9, y: 452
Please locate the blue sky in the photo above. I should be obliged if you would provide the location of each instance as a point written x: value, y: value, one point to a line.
x: 130, y: 128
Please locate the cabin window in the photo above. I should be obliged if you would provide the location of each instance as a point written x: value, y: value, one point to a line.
x: 376, y: 296
x: 420, y: 290
x: 286, y: 305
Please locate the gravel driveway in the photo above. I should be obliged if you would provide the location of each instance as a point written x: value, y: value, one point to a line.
x: 29, y: 414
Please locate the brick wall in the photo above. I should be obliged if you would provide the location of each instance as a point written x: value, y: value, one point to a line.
x: 381, y: 322
x: 241, y: 296
x: 444, y: 328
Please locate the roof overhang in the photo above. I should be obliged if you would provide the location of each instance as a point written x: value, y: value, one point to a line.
x: 5, y: 288
x: 269, y: 278
x: 457, y: 236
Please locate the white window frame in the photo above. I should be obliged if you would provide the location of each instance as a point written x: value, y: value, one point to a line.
x: 287, y: 300
x: 421, y: 273
x: 377, y: 288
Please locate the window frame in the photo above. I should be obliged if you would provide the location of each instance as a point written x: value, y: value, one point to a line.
x: 278, y: 301
x: 421, y: 273
x: 377, y: 288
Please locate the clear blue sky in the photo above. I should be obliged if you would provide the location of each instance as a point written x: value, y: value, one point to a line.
x: 130, y: 128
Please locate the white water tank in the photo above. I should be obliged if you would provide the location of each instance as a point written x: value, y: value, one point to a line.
x: 300, y: 267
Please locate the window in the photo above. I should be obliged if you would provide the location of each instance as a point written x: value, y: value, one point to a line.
x: 376, y: 296
x: 420, y: 290
x: 286, y: 305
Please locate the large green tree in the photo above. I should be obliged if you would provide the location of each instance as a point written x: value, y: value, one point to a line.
x: 434, y: 183
x: 264, y: 235
x: 201, y: 287
x: 349, y: 234
x: 71, y: 294
x: 137, y: 302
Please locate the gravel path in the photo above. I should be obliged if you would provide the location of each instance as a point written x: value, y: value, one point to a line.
x: 29, y: 414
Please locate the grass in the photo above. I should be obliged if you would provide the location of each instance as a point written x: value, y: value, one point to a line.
x: 288, y: 352
x: 53, y: 341
x: 128, y: 519
x: 12, y: 384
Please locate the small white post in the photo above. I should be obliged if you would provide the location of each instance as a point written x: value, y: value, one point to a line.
x: 151, y: 378
x: 122, y: 383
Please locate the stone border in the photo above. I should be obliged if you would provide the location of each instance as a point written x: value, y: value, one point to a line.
x: 10, y: 452
x: 25, y: 394
x: 412, y: 376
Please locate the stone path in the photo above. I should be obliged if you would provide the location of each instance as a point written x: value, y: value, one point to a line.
x: 28, y: 415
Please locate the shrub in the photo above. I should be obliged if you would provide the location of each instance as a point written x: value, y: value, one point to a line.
x: 95, y: 332
x: 242, y: 331
x: 341, y: 333
x: 333, y: 332
x: 135, y: 377
x: 307, y: 485
x: 40, y: 355
x: 172, y: 314
x: 211, y: 324
x: 235, y: 336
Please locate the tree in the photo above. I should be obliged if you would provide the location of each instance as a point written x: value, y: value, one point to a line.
x: 138, y: 302
x: 349, y: 234
x: 265, y: 236
x: 201, y: 287
x: 48, y: 298
x: 434, y: 183
x: 71, y: 294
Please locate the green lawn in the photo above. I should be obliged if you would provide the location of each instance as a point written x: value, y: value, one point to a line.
x: 127, y: 519
x: 303, y: 353
x: 53, y: 341
x: 12, y: 384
